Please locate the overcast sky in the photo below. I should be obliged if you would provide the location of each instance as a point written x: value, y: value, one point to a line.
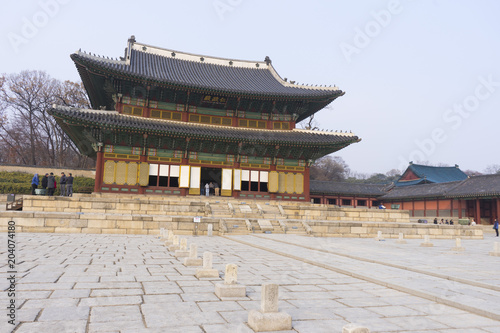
x: 422, y: 78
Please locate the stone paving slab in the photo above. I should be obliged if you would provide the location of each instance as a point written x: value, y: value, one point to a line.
x: 470, y: 295
x: 131, y: 283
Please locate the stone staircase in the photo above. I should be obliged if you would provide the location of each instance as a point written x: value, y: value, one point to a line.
x: 236, y: 226
x: 221, y: 209
x: 294, y: 227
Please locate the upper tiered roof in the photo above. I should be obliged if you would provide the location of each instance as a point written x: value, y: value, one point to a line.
x: 203, y: 74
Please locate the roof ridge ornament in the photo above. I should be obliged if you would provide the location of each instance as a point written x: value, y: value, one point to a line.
x: 267, y: 60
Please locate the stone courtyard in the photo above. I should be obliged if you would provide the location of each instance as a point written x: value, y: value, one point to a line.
x: 132, y: 283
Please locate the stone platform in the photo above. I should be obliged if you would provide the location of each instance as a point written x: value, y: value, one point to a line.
x: 106, y: 214
x: 132, y: 284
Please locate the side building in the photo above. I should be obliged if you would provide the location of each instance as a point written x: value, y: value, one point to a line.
x: 477, y: 197
x: 166, y: 122
x: 439, y: 192
x: 343, y: 194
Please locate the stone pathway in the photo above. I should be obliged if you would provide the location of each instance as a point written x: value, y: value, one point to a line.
x: 131, y: 283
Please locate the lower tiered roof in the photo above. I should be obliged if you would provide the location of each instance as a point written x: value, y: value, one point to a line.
x: 84, y: 124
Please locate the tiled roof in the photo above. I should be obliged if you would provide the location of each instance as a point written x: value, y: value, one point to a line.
x: 432, y: 174
x: 147, y: 62
x: 336, y: 188
x: 435, y: 190
x: 477, y: 186
x: 115, y: 120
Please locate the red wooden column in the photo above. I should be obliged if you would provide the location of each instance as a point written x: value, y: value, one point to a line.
x: 99, y: 169
x: 185, y: 114
x: 459, y: 208
x: 236, y: 165
x: 413, y: 207
x: 437, y: 207
x: 306, y: 190
x: 498, y: 208
x: 425, y: 207
x: 143, y: 158
x: 478, y: 212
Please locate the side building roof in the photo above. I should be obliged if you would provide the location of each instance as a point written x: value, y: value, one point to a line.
x: 422, y: 174
x: 434, y: 190
x: 344, y: 188
x: 472, y: 187
x: 477, y: 186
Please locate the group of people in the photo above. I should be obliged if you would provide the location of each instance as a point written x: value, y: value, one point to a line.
x: 211, y: 188
x: 443, y: 221
x: 49, y: 183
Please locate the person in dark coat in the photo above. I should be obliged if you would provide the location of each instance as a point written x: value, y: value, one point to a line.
x: 45, y: 179
x: 34, y: 183
x: 51, y: 184
x: 69, y: 185
x: 62, y: 181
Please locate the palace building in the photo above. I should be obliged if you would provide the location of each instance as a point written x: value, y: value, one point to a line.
x: 166, y: 122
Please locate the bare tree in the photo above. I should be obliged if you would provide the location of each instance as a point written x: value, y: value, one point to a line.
x: 330, y: 168
x: 28, y: 133
x: 25, y: 96
x: 309, y: 123
x: 472, y: 173
x: 492, y: 169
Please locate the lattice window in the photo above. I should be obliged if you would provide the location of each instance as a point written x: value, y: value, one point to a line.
x: 132, y: 110
x: 281, y: 125
x: 251, y: 123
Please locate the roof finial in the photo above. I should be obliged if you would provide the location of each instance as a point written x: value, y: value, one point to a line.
x: 267, y: 60
x: 131, y: 39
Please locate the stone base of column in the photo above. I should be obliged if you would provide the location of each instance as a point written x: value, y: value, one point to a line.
x: 271, y: 321
x: 495, y: 254
x: 193, y: 262
x: 173, y: 248
x: 207, y: 273
x: 230, y: 290
x: 168, y: 243
x: 426, y: 244
x: 181, y: 253
x: 401, y: 241
x: 460, y: 248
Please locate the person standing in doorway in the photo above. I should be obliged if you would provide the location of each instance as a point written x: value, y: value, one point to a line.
x: 34, y: 183
x: 495, y: 226
x: 62, y: 181
x: 69, y: 185
x: 216, y: 186
x: 207, y: 189
x: 51, y: 184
